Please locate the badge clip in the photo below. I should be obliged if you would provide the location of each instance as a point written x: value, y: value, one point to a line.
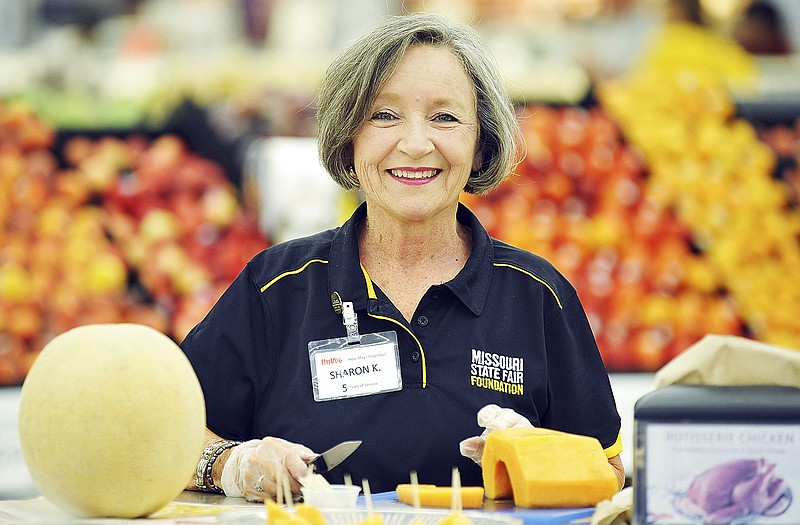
x: 350, y: 322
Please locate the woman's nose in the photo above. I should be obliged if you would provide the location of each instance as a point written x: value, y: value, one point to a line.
x: 415, y: 141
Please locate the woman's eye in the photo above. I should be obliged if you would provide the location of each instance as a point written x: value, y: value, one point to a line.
x: 445, y: 117
x: 383, y: 115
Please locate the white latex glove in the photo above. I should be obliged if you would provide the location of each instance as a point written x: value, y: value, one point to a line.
x: 615, y: 511
x: 491, y: 417
x: 269, y: 459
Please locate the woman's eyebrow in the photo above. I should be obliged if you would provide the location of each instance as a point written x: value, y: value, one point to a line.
x: 388, y: 97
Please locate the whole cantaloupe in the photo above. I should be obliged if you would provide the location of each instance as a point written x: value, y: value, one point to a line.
x: 111, y: 421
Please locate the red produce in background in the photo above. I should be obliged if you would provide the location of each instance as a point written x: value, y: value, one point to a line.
x: 131, y: 230
x: 579, y: 200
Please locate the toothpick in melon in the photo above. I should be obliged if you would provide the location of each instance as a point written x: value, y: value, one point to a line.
x: 456, y: 517
x: 310, y: 514
x: 371, y: 518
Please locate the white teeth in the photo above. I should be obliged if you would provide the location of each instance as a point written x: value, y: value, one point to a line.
x: 403, y: 174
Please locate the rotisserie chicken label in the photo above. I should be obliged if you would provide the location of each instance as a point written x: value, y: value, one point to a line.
x: 722, y: 474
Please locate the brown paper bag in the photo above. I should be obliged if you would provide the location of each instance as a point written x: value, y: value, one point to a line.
x: 725, y: 360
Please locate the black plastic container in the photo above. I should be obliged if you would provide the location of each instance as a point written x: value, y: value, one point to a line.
x: 711, y: 454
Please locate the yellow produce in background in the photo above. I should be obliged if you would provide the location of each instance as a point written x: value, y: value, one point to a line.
x: 682, y: 46
x: 711, y: 168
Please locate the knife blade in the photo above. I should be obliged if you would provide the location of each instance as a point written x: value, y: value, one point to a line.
x: 324, y: 462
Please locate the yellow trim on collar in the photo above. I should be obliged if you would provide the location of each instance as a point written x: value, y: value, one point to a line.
x: 372, y: 295
x: 291, y: 272
x: 419, y: 345
x: 370, y: 288
x: 535, y: 278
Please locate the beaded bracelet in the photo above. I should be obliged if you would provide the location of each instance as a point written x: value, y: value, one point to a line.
x: 203, y: 480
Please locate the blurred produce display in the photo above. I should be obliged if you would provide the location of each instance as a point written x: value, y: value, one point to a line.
x: 118, y: 229
x: 682, y: 46
x: 713, y: 170
x: 672, y: 217
x: 784, y: 140
x: 581, y: 201
x: 672, y: 209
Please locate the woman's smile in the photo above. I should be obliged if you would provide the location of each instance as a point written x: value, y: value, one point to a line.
x: 414, y: 175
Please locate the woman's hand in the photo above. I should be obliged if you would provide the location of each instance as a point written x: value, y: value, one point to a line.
x: 491, y: 417
x: 255, y: 468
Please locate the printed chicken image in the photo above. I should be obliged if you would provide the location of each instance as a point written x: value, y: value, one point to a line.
x: 736, y: 491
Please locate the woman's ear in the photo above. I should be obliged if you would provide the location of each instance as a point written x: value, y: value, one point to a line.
x: 477, y: 160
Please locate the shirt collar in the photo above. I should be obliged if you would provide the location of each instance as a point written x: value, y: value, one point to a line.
x: 471, y: 285
x: 344, y: 267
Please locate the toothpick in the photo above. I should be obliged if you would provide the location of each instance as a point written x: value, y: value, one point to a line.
x: 367, y: 495
x: 278, y: 487
x: 415, y: 490
x: 456, y: 484
x: 287, y: 493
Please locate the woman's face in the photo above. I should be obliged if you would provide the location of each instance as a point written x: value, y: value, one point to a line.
x: 414, y: 154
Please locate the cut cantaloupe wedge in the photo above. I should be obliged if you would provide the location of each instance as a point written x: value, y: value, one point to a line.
x: 371, y: 518
x: 546, y: 468
x: 302, y: 515
x: 441, y: 497
x: 405, y: 492
x: 276, y: 514
x: 312, y: 515
x: 456, y: 518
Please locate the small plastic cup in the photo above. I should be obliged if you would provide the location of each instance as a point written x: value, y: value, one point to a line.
x: 335, y: 497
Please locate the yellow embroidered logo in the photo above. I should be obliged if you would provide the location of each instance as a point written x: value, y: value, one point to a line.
x: 496, y: 372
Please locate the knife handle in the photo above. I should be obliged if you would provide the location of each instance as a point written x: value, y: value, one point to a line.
x: 316, y: 463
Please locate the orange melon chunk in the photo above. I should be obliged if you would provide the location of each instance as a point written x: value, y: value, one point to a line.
x: 277, y: 514
x: 371, y: 519
x: 311, y: 515
x: 303, y: 514
x: 456, y: 518
x: 434, y: 496
x: 545, y: 468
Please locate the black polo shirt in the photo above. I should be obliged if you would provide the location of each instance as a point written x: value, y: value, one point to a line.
x: 508, y: 329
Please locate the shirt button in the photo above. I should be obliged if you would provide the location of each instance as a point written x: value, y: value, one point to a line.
x: 415, y: 356
x: 435, y: 295
x: 422, y: 320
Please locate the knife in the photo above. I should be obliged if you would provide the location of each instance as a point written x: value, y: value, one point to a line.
x: 333, y: 456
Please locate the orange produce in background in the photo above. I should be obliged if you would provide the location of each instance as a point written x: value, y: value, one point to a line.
x: 720, y: 179
x: 672, y: 217
x: 124, y: 230
x: 581, y: 200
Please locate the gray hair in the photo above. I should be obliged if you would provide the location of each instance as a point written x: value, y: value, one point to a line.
x: 358, y: 73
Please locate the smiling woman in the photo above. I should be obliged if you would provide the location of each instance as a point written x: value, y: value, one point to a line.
x: 410, y: 290
x: 358, y: 73
x: 423, y: 132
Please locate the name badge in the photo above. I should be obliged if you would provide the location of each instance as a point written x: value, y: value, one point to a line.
x: 343, y: 368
